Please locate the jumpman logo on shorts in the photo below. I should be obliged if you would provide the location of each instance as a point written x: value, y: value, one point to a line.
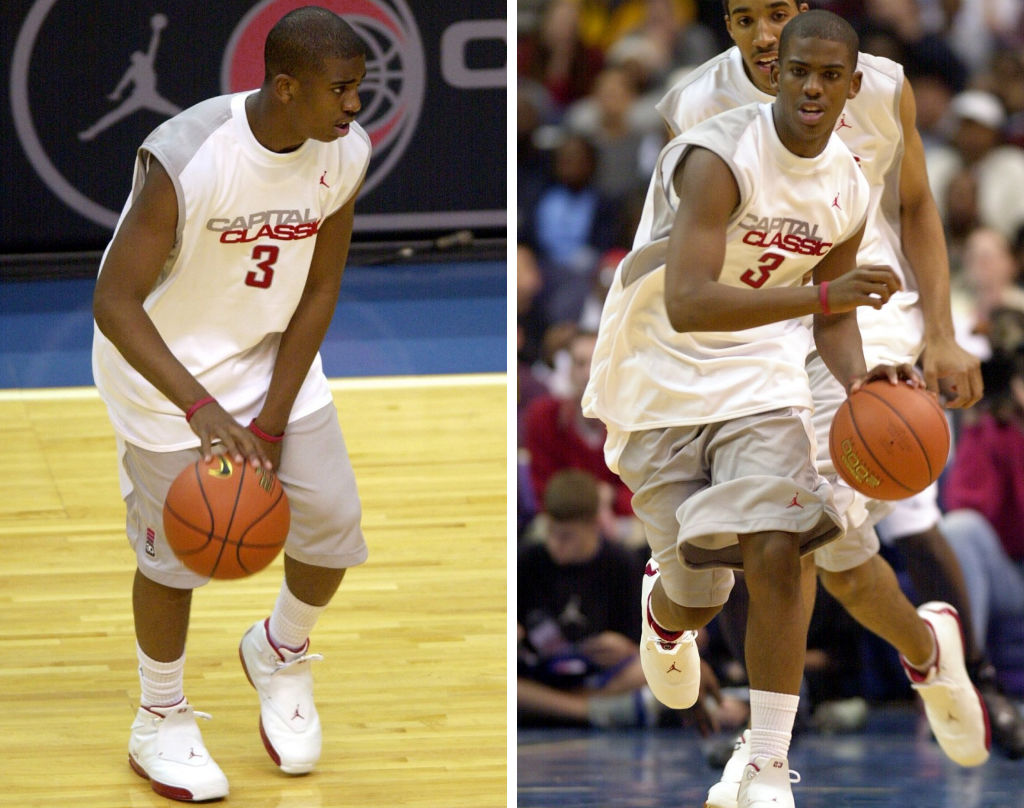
x: 795, y: 503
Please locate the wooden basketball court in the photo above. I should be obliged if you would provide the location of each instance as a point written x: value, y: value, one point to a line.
x: 412, y: 690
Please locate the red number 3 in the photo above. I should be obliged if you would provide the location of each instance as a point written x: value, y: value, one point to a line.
x: 769, y: 262
x: 263, y: 278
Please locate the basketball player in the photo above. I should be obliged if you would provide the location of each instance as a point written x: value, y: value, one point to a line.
x: 904, y: 231
x: 211, y: 304
x: 698, y: 373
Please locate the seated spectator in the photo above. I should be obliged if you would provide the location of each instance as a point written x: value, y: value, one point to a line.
x: 987, y: 280
x: 555, y: 55
x: 577, y: 627
x: 978, y: 145
x: 983, y: 494
x: 558, y: 436
x: 609, y: 118
x: 571, y: 225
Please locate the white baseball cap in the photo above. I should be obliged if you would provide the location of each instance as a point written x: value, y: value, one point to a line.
x: 979, y: 106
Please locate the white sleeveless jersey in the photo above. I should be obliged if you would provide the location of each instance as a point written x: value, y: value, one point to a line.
x: 792, y: 210
x: 870, y: 127
x: 247, y: 224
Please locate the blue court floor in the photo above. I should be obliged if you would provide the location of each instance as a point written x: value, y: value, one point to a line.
x: 415, y: 319
x: 894, y: 762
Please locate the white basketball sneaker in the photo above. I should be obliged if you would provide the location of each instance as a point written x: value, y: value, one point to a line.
x: 289, y: 724
x: 671, y: 665
x: 766, y: 783
x: 723, y: 794
x: 167, y: 749
x: 955, y: 709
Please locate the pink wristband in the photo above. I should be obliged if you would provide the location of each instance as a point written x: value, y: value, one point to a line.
x: 201, y: 403
x: 823, y: 297
x: 259, y: 433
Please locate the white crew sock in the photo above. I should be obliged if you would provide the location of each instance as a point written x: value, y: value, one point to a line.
x: 771, y: 723
x: 292, y: 620
x: 162, y: 682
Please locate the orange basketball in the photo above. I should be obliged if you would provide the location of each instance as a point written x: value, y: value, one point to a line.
x: 889, y: 441
x: 225, y: 519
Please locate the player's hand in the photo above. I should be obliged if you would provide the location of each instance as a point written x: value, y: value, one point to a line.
x: 864, y: 286
x: 213, y: 424
x: 608, y: 648
x: 904, y: 373
x: 952, y: 373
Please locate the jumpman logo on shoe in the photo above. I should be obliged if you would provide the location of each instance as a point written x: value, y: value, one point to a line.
x: 673, y: 667
x: 795, y: 503
x: 192, y: 753
x: 297, y: 714
x: 322, y: 182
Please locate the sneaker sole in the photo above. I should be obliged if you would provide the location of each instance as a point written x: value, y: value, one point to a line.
x: 164, y: 790
x: 271, y: 751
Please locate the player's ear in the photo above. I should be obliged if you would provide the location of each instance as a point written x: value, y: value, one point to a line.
x: 284, y: 87
x: 855, y: 85
x: 773, y: 76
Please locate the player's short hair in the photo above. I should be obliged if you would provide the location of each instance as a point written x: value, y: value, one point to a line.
x: 301, y: 41
x: 820, y: 24
x: 571, y: 495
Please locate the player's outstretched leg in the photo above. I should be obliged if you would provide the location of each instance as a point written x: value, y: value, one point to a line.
x: 955, y: 709
x: 167, y: 749
x: 669, y: 659
x: 289, y: 723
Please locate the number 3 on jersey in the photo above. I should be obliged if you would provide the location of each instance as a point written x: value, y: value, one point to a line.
x: 265, y: 256
x: 768, y: 263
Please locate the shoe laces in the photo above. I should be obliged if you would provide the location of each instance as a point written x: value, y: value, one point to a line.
x: 285, y: 664
x: 174, y: 711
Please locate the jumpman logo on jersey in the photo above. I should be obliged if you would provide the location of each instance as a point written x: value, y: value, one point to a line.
x: 322, y: 180
x: 795, y: 503
x: 843, y: 123
x: 835, y: 203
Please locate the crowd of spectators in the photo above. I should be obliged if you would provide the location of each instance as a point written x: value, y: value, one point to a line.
x: 589, y: 74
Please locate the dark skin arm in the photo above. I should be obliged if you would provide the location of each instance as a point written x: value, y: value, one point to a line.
x: 305, y: 332
x: 694, y: 298
x: 133, y: 263
x: 948, y: 368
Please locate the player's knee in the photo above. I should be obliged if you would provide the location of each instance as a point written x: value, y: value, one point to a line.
x: 771, y: 561
x: 847, y: 586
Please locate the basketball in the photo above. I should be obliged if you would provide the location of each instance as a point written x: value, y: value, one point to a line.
x: 889, y: 441
x: 225, y: 519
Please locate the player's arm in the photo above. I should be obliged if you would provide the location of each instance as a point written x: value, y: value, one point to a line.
x: 305, y: 332
x: 694, y: 298
x: 924, y: 244
x: 130, y: 270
